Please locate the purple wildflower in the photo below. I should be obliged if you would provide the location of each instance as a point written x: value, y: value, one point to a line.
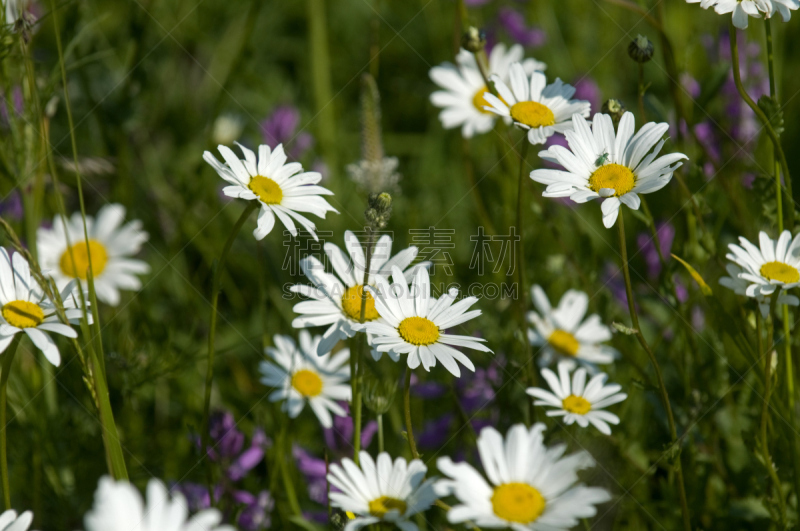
x: 647, y: 246
x: 280, y: 127
x: 514, y: 24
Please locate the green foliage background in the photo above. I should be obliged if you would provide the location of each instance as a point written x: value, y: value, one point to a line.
x: 148, y: 79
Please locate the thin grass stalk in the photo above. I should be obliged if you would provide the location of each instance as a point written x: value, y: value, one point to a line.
x: 218, y: 269
x: 8, y: 358
x: 659, y: 377
x: 321, y: 79
x: 114, y: 447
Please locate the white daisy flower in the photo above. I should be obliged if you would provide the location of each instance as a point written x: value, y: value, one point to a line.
x: 774, y: 265
x: 534, y: 105
x: 530, y: 487
x: 301, y: 375
x: 9, y: 521
x: 562, y: 332
x: 739, y: 286
x: 462, y: 98
x: 111, y: 245
x: 617, y: 167
x: 336, y: 299
x: 382, y: 491
x: 413, y: 323
x: 743, y: 9
x: 280, y: 187
x: 118, y: 506
x: 25, y: 308
x: 579, y: 402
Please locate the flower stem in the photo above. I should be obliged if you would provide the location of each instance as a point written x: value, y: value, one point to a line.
x: 659, y: 377
x: 642, y: 115
x: 284, y: 456
x: 7, y: 360
x: 522, y: 300
x: 737, y: 79
x: 407, y: 404
x: 360, y: 354
x: 787, y: 336
x: 773, y: 92
x: 220, y: 266
x: 380, y: 433
x: 773, y: 475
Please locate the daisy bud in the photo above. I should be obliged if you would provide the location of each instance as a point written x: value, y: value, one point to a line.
x: 473, y: 40
x: 613, y: 108
x: 379, y: 210
x: 379, y: 395
x: 640, y: 49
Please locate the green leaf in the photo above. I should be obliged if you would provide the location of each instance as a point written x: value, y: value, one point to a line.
x: 773, y: 111
x: 705, y: 288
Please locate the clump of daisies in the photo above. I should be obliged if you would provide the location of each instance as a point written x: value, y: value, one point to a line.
x: 281, y: 188
x: 562, y: 332
x: 65, y: 254
x: 381, y: 491
x: 463, y: 95
x: 535, y: 106
x: 577, y: 401
x: 528, y: 486
x: 414, y: 324
x: 335, y: 299
x: 300, y: 376
x: 616, y: 166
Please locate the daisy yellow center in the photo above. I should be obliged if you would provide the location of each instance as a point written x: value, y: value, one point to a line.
x: 780, y: 272
x: 564, y: 342
x: 576, y: 404
x: 81, y: 253
x: 615, y: 176
x: 266, y: 189
x: 418, y: 331
x: 307, y: 383
x: 479, y: 100
x: 532, y: 114
x: 517, y: 502
x: 23, y: 314
x: 380, y: 506
x: 351, y: 304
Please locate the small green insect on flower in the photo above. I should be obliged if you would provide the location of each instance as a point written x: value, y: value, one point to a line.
x: 601, y: 159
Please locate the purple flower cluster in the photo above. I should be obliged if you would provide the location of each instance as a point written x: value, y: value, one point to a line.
x: 738, y: 121
x: 280, y: 127
x: 228, y: 451
x: 647, y: 246
x: 475, y: 393
x: 513, y: 22
x: 339, y: 441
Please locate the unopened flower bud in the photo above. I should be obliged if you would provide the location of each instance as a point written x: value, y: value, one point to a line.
x: 379, y: 395
x: 614, y: 108
x: 473, y: 40
x: 640, y: 49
